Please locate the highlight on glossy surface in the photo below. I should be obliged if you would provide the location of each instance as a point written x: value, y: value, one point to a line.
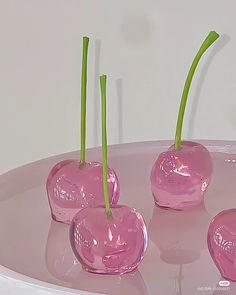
x: 108, y: 246
x: 221, y: 239
x: 179, y: 178
x: 71, y: 187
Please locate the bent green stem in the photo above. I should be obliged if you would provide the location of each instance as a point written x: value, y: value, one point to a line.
x: 210, y: 39
x: 83, y: 100
x: 103, y: 80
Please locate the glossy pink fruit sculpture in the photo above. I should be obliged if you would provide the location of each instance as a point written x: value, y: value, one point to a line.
x: 108, y: 239
x: 108, y: 246
x: 181, y: 175
x: 179, y: 178
x: 71, y: 187
x: 75, y: 184
x: 221, y: 241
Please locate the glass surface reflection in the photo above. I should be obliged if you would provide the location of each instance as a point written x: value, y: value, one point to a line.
x: 60, y: 259
x: 62, y: 264
x: 181, y: 235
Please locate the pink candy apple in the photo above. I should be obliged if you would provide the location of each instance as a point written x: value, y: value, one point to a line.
x: 179, y: 178
x: 71, y: 187
x: 108, y: 246
x: 221, y: 240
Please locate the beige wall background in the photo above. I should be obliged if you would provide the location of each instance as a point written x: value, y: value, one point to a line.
x: 145, y: 48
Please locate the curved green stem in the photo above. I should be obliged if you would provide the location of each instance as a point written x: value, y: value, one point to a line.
x: 103, y: 80
x: 83, y: 100
x: 210, y: 39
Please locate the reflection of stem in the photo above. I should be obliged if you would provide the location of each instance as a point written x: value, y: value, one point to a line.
x: 178, y: 282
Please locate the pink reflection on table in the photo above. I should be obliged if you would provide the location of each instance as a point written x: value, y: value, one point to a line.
x: 180, y: 236
x: 59, y: 257
x: 71, y: 187
x: 179, y: 178
x: 130, y: 283
x: 221, y: 240
x: 108, y: 246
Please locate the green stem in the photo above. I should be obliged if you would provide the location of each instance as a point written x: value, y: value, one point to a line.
x: 210, y: 39
x: 103, y: 80
x: 83, y: 100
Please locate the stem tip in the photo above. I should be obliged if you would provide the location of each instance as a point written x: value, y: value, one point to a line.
x: 209, y: 40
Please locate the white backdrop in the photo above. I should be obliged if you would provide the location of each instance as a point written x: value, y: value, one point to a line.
x: 145, y: 47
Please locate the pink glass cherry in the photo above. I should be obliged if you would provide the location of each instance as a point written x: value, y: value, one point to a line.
x: 180, y: 177
x: 108, y: 245
x: 71, y: 187
x: 181, y: 174
x: 63, y: 265
x: 74, y: 184
x: 221, y: 239
x: 108, y: 239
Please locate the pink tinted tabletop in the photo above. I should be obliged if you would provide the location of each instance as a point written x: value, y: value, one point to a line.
x: 177, y: 259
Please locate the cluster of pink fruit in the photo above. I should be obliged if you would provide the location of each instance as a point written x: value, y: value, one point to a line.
x: 105, y: 237
x: 110, y: 238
